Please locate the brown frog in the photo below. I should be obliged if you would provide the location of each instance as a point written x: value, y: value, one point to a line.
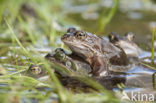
x: 126, y: 43
x: 98, y: 52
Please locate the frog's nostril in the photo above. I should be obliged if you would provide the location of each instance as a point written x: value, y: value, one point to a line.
x: 65, y: 36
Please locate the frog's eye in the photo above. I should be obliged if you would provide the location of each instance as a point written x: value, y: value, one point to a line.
x: 130, y: 36
x: 36, y: 70
x: 80, y: 35
x: 113, y: 37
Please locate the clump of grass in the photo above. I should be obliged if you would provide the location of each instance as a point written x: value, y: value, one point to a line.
x: 62, y: 93
x: 16, y: 81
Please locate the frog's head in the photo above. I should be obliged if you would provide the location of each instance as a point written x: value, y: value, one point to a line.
x: 113, y: 37
x: 35, y: 69
x: 81, y: 43
x: 130, y: 36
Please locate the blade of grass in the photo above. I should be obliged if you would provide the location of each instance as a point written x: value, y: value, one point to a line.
x: 13, y: 9
x: 1, y: 9
x: 24, y: 51
x: 62, y: 92
x: 27, y: 29
x: 104, y: 20
x: 148, y: 66
x: 52, y: 35
x: 15, y: 37
x: 153, y: 39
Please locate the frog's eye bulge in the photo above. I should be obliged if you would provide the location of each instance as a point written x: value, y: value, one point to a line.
x: 130, y: 36
x: 80, y: 35
x: 112, y: 37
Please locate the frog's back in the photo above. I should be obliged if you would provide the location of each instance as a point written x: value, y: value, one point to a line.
x: 115, y: 54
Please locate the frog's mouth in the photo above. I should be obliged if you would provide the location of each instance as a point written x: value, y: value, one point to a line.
x: 74, y: 46
x: 79, y: 49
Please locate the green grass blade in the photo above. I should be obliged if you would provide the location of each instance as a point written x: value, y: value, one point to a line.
x: 103, y: 21
x: 27, y: 29
x: 153, y: 39
x: 1, y: 10
x: 15, y: 37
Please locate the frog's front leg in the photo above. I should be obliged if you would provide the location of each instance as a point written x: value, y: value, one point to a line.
x: 100, y: 66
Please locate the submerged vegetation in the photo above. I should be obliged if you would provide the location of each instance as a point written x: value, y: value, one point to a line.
x: 29, y: 29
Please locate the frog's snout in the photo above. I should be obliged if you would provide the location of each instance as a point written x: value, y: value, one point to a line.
x: 67, y: 35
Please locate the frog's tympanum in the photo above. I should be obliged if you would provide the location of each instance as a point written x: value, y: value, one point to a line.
x: 98, y: 52
x: 126, y: 43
